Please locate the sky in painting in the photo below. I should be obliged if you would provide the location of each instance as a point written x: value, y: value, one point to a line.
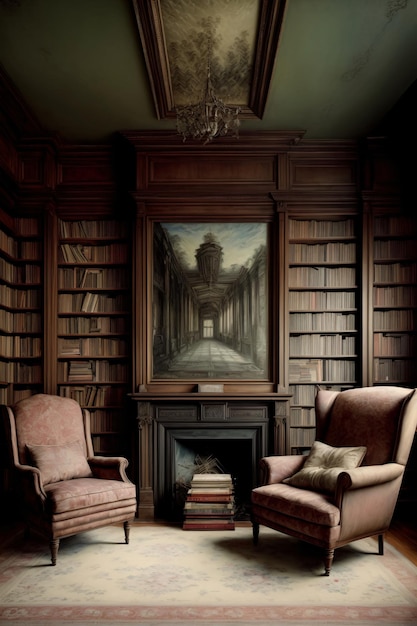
x: 239, y: 241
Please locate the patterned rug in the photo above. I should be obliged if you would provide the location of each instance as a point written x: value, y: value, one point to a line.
x: 170, y: 576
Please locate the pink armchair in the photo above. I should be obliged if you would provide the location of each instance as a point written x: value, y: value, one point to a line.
x: 65, y: 489
x: 347, y: 488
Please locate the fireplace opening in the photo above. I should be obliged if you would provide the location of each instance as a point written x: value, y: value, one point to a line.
x: 233, y: 455
x: 236, y: 451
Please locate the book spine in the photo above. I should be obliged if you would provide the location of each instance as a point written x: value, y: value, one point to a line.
x: 210, y: 498
x: 203, y: 526
x: 209, y: 513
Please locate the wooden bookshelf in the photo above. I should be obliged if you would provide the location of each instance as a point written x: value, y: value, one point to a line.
x: 21, y: 327
x: 94, y: 325
x: 323, y: 315
x: 394, y: 300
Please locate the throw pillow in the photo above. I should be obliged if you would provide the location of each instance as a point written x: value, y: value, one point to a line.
x: 324, y: 464
x: 60, y: 462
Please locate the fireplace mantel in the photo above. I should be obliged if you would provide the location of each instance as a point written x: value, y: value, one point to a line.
x: 164, y: 418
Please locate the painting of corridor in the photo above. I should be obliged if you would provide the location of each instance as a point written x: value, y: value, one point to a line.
x: 209, y: 301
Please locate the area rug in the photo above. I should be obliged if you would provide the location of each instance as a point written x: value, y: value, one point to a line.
x: 170, y: 576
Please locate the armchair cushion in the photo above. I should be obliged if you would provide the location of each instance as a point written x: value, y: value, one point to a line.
x: 58, y: 463
x: 324, y: 464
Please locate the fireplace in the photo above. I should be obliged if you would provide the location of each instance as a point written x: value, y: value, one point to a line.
x: 174, y: 432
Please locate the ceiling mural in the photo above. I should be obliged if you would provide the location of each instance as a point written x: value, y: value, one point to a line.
x: 199, y: 38
x: 237, y: 40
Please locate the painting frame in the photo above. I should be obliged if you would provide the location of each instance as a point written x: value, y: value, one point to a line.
x: 209, y: 320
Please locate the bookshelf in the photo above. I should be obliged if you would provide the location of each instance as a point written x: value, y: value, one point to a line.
x: 93, y: 325
x: 21, y: 328
x: 323, y: 318
x: 394, y: 300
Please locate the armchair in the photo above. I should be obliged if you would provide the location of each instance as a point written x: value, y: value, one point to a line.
x: 332, y: 497
x: 65, y: 489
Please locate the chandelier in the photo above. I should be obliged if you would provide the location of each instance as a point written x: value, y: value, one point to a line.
x: 209, y: 118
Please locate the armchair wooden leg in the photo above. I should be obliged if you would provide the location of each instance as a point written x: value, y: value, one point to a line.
x: 126, y: 526
x: 328, y: 560
x: 255, y: 533
x: 381, y: 544
x: 54, y: 544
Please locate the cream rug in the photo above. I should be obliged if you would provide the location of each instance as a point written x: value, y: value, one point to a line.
x: 170, y: 576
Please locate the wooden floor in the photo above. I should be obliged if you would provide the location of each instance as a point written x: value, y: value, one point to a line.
x: 403, y: 533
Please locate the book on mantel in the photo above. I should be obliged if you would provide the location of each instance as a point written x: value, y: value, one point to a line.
x: 210, y: 503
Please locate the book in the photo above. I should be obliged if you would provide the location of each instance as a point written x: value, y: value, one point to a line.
x: 201, y: 505
x: 205, y: 490
x: 217, y: 524
x: 212, y: 479
x: 208, y: 497
x: 208, y: 514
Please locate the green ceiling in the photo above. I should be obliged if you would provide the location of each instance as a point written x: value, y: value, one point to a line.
x: 341, y: 66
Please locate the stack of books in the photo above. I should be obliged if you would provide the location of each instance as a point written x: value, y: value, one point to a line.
x: 210, y: 503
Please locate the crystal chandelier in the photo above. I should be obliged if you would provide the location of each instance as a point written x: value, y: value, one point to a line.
x: 209, y: 118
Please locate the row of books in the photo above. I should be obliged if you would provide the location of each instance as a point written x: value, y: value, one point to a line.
x: 394, y: 226
x: 92, y: 229
x: 15, y: 346
x: 394, y: 370
x: 20, y: 372
x: 94, y: 395
x: 315, y: 370
x: 304, y: 395
x: 323, y: 253
x: 323, y: 322
x: 305, y: 229
x: 90, y: 302
x: 97, y: 346
x: 307, y: 300
x: 401, y: 272
x: 91, y: 370
x: 402, y: 295
x: 87, y: 325
x: 92, y: 278
x: 79, y: 253
x: 322, y: 277
x: 12, y: 322
x: 322, y: 344
x: 19, y: 298
x: 302, y: 437
x: 394, y: 319
x: 303, y: 416
x: 394, y: 248
x: 210, y: 503
x: 395, y: 344
x: 21, y: 274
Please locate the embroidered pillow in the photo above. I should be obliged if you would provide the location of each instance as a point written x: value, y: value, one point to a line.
x: 60, y: 462
x: 324, y: 464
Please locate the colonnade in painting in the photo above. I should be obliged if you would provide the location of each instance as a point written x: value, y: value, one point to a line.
x: 237, y: 319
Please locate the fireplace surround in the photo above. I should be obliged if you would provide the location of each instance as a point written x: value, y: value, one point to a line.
x: 238, y: 429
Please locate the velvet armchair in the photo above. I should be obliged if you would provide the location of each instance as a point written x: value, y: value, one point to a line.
x: 347, y: 487
x: 64, y: 488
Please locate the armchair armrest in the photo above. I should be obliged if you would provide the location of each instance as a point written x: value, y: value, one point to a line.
x: 273, y: 469
x: 32, y: 486
x: 366, y: 476
x: 366, y: 497
x: 109, y: 467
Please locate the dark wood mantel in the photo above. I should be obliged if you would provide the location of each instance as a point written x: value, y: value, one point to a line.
x: 161, y: 417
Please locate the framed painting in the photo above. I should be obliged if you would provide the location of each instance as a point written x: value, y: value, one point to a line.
x: 210, y: 307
